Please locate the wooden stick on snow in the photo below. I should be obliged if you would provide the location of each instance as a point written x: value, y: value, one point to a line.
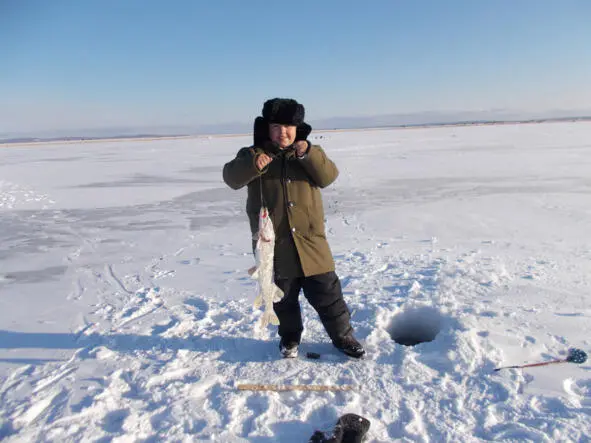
x: 277, y: 388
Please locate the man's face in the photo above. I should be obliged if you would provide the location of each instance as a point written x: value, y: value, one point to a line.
x: 283, y: 135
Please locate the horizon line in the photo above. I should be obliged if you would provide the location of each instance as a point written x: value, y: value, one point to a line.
x: 16, y: 141
x: 427, y: 117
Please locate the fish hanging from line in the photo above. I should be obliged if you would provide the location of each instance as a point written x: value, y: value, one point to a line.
x: 263, y: 272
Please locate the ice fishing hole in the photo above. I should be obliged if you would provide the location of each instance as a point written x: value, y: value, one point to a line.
x: 415, y: 325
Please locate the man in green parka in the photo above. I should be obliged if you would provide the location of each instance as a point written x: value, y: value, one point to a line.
x: 287, y: 172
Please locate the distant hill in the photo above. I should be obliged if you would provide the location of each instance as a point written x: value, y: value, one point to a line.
x: 427, y: 119
x: 445, y: 118
x: 82, y: 138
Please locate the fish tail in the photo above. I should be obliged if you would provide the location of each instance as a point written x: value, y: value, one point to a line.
x: 274, y: 320
x: 269, y: 316
x: 277, y: 294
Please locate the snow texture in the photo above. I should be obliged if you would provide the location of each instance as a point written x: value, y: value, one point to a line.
x: 126, y: 310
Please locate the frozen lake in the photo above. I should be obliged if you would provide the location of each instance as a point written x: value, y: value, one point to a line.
x: 126, y: 310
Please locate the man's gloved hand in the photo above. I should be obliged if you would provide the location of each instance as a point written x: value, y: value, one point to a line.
x: 271, y: 148
x: 262, y: 160
x: 301, y: 148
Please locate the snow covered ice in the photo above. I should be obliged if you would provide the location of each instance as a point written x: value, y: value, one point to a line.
x: 126, y: 308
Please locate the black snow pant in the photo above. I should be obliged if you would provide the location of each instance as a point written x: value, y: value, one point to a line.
x: 324, y: 293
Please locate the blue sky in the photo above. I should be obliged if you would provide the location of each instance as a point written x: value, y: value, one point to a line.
x: 113, y: 63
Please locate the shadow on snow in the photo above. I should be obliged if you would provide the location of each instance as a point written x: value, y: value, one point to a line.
x: 232, y: 349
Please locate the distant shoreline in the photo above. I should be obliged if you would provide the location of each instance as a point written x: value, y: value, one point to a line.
x: 26, y: 141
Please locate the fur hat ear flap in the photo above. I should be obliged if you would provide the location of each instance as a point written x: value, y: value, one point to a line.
x: 261, y: 131
x: 303, y: 132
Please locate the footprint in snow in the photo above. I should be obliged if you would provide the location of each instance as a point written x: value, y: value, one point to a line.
x: 548, y: 405
x: 163, y: 327
x: 194, y: 426
x: 129, y: 312
x: 84, y: 403
x: 191, y: 261
x: 199, y: 306
x: 490, y: 314
x: 163, y: 273
x: 515, y: 432
x: 257, y: 405
x: 113, y: 421
x: 579, y: 390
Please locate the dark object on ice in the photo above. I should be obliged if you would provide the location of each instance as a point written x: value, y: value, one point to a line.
x: 350, y: 428
x: 313, y: 355
x: 577, y: 356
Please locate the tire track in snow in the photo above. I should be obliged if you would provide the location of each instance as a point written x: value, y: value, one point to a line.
x: 116, y: 279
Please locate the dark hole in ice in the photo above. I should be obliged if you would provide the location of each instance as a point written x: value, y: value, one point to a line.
x: 415, y: 325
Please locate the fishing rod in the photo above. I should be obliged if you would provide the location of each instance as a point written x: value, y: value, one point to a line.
x: 576, y: 356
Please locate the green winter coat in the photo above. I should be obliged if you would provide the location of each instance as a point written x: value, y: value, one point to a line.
x: 291, y: 190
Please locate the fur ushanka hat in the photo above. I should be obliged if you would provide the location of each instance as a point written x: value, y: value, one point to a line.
x: 284, y: 111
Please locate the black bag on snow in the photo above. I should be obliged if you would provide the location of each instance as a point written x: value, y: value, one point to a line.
x: 350, y: 428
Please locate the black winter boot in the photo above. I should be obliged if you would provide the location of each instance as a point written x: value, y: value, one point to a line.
x: 288, y: 349
x: 350, y: 346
